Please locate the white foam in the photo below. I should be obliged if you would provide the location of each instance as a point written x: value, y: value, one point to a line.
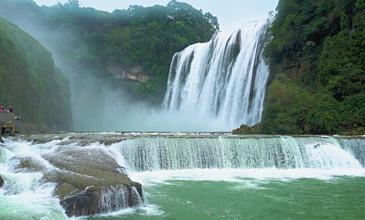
x: 32, y: 204
x: 240, y: 175
x: 145, y: 210
x: 150, y: 210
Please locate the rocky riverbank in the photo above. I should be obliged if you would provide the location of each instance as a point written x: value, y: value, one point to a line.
x: 88, y: 179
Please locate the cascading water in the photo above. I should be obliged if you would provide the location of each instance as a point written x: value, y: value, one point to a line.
x: 224, y: 78
x: 154, y: 154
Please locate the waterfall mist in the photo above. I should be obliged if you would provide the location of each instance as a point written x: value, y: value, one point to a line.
x: 98, y: 106
x: 212, y: 86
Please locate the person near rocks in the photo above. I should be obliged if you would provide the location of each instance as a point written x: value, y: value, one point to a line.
x: 2, y: 108
x: 10, y: 109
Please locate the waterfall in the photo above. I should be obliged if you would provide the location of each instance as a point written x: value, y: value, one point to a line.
x: 153, y: 154
x: 224, y: 78
x: 356, y: 147
x: 117, y: 197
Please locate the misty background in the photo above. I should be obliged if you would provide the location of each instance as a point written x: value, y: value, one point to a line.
x: 98, y: 105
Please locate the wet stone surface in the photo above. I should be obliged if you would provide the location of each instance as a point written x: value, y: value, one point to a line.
x: 1, y: 182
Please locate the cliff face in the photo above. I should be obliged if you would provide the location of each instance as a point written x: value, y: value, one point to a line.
x: 29, y: 80
x: 295, y: 69
x: 134, y: 73
x: 316, y: 56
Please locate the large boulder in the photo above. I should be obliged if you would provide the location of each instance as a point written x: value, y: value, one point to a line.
x: 90, y: 181
x: 101, y: 199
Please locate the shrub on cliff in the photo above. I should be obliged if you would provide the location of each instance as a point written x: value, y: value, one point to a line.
x: 326, y: 98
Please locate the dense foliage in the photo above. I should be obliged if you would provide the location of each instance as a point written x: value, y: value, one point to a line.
x: 329, y: 97
x: 29, y: 80
x: 146, y: 36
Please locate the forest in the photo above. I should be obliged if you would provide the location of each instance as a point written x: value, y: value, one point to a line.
x: 146, y: 36
x: 316, y: 52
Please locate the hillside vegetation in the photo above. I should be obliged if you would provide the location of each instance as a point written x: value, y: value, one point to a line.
x: 29, y: 80
x: 145, y: 36
x: 317, y: 52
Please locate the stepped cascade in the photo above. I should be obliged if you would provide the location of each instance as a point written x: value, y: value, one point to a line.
x: 225, y: 78
x: 154, y: 154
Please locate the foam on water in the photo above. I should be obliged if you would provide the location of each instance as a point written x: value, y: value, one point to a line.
x: 145, y: 210
x: 23, y: 197
x: 240, y: 175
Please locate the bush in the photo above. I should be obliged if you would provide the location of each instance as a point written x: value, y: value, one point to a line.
x: 352, y: 111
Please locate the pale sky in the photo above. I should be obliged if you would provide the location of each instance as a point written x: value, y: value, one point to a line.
x: 230, y: 13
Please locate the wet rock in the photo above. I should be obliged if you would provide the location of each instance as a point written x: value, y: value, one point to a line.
x: 100, y: 200
x: 35, y: 128
x: 89, y: 181
x: 1, y: 182
x: 23, y: 164
x: 255, y: 128
x: 134, y: 73
x: 245, y: 129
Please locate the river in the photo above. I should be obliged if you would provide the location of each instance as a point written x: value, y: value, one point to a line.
x: 200, y: 175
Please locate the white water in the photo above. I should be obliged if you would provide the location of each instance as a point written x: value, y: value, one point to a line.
x: 224, y: 79
x: 154, y: 154
x: 23, y: 196
x: 155, y: 159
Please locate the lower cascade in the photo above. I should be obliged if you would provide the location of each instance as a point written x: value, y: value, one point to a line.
x: 224, y: 78
x: 150, y: 154
x: 57, y: 176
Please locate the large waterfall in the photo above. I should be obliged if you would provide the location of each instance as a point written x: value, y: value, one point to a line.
x: 224, y: 78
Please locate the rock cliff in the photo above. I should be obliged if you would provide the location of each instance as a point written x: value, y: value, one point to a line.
x: 134, y: 73
x: 30, y: 81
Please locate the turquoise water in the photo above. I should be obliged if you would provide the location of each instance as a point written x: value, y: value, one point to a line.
x: 323, y: 197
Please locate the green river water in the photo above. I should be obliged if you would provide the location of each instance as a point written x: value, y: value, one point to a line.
x: 338, y: 197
